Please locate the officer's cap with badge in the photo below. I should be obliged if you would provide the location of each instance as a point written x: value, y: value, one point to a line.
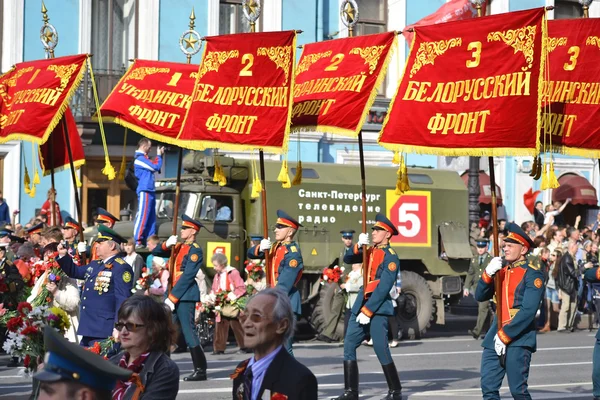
x: 518, y: 235
x: 65, y: 361
x: 284, y: 220
x: 383, y: 223
x: 105, y: 233
x: 347, y: 233
x: 104, y: 217
x: 35, y: 229
x: 189, y: 222
x: 481, y: 243
x: 70, y: 223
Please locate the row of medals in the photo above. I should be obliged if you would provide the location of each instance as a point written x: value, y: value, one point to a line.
x: 102, y: 282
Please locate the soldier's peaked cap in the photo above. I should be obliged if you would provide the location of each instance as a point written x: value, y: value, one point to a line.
x: 285, y: 219
x: 347, y: 232
x: 482, y: 242
x: 35, y: 229
x: 381, y: 221
x: 518, y: 235
x: 71, y: 362
x: 105, y: 233
x: 105, y: 216
x: 71, y: 223
x: 189, y: 222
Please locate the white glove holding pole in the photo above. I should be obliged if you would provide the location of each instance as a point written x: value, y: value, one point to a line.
x: 499, y: 346
x: 171, y: 241
x: 231, y: 296
x: 81, y: 247
x: 170, y: 304
x: 494, y: 266
x: 363, y: 239
x: 363, y: 319
x: 265, y: 244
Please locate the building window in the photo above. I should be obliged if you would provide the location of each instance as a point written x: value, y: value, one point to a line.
x: 564, y: 9
x: 231, y: 17
x: 372, y: 17
x: 113, y: 33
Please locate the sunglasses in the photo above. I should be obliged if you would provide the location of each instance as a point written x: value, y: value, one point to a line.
x: 130, y: 326
x: 254, y: 317
x: 376, y: 228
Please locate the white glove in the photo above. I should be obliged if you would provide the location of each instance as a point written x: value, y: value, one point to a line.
x: 363, y: 239
x: 494, y: 266
x: 499, y: 346
x: 265, y: 244
x: 363, y: 319
x: 156, y: 284
x: 394, y: 293
x: 82, y: 247
x: 212, y: 297
x: 171, y: 305
x: 171, y: 241
x: 231, y: 296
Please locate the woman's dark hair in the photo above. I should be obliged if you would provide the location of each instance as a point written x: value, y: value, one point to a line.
x: 556, y: 263
x: 156, y: 317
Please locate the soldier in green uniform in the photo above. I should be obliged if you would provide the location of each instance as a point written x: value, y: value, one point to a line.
x: 478, y: 264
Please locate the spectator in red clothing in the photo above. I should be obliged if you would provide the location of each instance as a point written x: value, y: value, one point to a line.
x: 53, y: 220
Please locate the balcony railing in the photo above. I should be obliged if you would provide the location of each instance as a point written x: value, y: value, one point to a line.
x: 83, y: 105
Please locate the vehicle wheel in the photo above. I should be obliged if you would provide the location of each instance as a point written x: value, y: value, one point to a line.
x: 416, y: 308
x: 323, y: 311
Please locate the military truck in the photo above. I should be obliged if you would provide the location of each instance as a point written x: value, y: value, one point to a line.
x: 433, y: 245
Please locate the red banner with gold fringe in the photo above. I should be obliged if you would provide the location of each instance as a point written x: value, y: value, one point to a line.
x: 152, y: 99
x: 336, y: 76
x: 471, y: 88
x: 57, y: 146
x: 572, y: 95
x: 242, y: 99
x: 34, y: 96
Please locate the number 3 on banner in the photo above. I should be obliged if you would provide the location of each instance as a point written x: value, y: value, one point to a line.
x: 574, y: 52
x: 476, y: 47
x: 247, y: 61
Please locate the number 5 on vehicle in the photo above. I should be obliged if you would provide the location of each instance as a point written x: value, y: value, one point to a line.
x: 411, y: 213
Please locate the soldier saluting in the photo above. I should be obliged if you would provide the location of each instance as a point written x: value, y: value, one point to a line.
x: 286, y: 262
x: 370, y: 312
x: 478, y: 264
x: 522, y: 284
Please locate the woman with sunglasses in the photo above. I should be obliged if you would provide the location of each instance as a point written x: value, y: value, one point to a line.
x: 146, y: 332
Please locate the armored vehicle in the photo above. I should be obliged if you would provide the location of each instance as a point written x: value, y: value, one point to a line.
x: 433, y: 245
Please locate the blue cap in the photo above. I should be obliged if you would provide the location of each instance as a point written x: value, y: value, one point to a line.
x: 284, y: 219
x: 382, y: 222
x: 348, y: 233
x: 5, y: 232
x: 68, y: 361
x: 105, y: 233
x: 482, y: 243
x: 257, y: 238
x: 518, y: 235
x: 105, y: 216
x: 189, y: 222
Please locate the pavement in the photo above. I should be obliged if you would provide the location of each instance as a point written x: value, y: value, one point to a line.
x: 444, y: 364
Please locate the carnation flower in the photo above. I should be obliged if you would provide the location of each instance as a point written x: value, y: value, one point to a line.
x: 24, y: 308
x: 14, y: 324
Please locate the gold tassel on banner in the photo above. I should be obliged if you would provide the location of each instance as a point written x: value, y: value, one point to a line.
x: 32, y: 192
x: 36, y: 174
x: 77, y: 181
x: 400, y: 174
x: 545, y: 183
x: 256, y: 183
x: 396, y: 158
x: 108, y: 169
x: 123, y: 158
x: 27, y: 181
x: 552, y: 180
x: 404, y: 185
x: 219, y: 175
x: 284, y: 176
x: 298, y: 175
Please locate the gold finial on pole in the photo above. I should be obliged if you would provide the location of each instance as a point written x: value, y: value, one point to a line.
x: 252, y: 10
x: 190, y: 41
x: 48, y: 34
x: 349, y: 15
x: 477, y: 4
x: 586, y: 7
x: 192, y: 19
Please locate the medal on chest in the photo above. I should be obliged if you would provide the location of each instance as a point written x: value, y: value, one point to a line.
x: 102, y: 282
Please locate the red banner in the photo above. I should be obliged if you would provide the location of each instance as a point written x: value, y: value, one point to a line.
x: 454, y: 10
x: 242, y: 97
x: 54, y: 154
x: 336, y: 76
x: 35, y: 94
x: 572, y: 97
x: 152, y: 99
x: 471, y: 88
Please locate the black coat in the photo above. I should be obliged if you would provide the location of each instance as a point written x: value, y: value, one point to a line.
x: 567, y: 279
x: 285, y: 375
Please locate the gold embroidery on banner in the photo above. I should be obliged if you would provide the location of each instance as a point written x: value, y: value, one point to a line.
x: 522, y: 40
x: 280, y: 55
x: 553, y: 43
x: 63, y: 72
x: 593, y: 41
x: 309, y: 60
x: 370, y: 54
x: 428, y: 52
x: 194, y: 75
x: 12, y: 81
x: 140, y: 73
x: 214, y: 59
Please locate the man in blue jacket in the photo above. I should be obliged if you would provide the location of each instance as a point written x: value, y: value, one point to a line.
x: 372, y: 308
x: 145, y: 168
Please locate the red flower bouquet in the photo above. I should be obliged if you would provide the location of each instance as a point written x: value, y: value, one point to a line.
x: 332, y: 275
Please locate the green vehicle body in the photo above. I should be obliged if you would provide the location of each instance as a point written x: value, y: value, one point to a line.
x: 432, y: 261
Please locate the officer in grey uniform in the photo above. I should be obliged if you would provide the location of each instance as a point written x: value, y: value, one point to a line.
x: 478, y: 264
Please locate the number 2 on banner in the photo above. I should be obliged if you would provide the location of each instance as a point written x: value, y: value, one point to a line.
x: 335, y: 61
x: 476, y: 47
x: 574, y: 53
x: 247, y: 61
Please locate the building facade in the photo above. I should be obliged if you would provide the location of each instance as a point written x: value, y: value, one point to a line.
x: 116, y: 31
